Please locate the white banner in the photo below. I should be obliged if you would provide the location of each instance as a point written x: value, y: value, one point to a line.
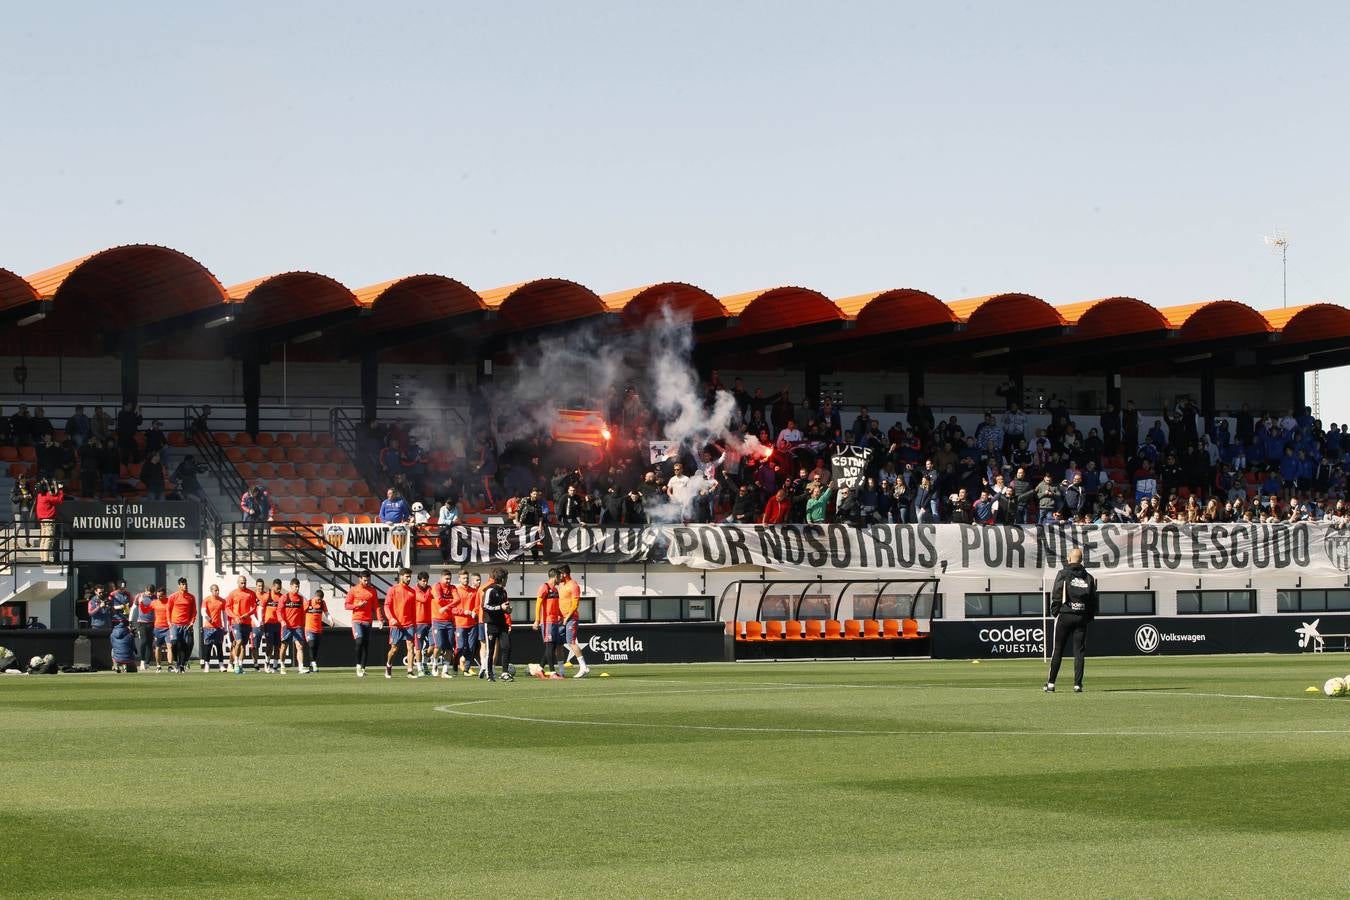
x: 660, y: 451
x: 1198, y: 550
x: 379, y: 548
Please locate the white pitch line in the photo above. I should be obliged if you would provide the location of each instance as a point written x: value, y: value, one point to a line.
x: 454, y: 710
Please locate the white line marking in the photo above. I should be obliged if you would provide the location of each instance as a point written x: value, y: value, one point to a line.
x: 455, y: 709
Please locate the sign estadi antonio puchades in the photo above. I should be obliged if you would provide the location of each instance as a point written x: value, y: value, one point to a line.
x: 140, y: 520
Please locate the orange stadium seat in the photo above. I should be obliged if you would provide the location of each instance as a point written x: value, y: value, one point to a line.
x: 255, y: 454
x: 286, y: 439
x: 353, y: 505
x: 812, y: 629
x: 853, y: 630
x: 793, y: 630
x: 17, y: 470
x: 871, y: 629
x: 223, y: 438
x: 773, y: 630
x: 28, y: 454
x: 298, y: 454
x: 342, y: 518
x: 264, y: 470
x: 328, y: 470
x: 286, y: 470
x: 323, y: 439
x: 265, y: 439
x: 363, y: 519
x: 909, y: 629
x: 276, y: 454
x: 832, y: 630
x: 9, y: 454
x: 307, y: 470
x: 890, y: 629
x: 304, y: 439
x: 243, y: 439
x: 329, y: 505
x: 754, y: 630
x: 348, y: 471
x: 234, y: 454
x: 177, y: 439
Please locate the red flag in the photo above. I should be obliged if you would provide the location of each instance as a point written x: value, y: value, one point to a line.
x: 580, y: 426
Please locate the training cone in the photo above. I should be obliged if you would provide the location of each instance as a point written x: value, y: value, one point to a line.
x: 604, y: 674
x: 1312, y: 689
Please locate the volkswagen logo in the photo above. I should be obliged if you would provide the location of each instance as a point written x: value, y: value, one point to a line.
x: 1146, y: 638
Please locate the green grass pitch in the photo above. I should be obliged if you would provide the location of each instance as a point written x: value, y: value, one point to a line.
x: 1169, y: 777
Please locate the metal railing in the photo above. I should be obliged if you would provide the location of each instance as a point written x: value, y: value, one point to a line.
x: 23, y: 543
x: 345, y: 437
x: 227, y: 477
x: 297, y: 545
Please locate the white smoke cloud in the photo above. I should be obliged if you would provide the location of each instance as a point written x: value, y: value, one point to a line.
x: 589, y: 366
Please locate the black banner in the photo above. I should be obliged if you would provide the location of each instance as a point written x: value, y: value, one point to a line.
x: 138, y: 520
x: 1111, y: 636
x: 482, y: 544
x: 848, y: 465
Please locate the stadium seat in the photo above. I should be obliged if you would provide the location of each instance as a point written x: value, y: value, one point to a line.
x: 234, y: 454
x: 812, y: 629
x: 177, y: 439
x: 353, y: 505
x: 286, y: 439
x: 9, y: 454
x: 323, y: 439
x: 304, y: 439
x: 243, y: 439
x: 348, y: 471
x: 793, y: 630
x: 297, y: 454
x: 276, y: 454
x: 223, y: 438
x: 255, y: 454
x: 754, y: 630
x: 853, y: 630
x: 890, y: 629
x: 264, y: 470
x: 363, y: 519
x: 871, y: 629
x: 329, y: 505
x: 265, y: 439
x: 731, y: 629
x: 17, y: 470
x: 307, y: 470
x: 833, y: 631
x: 909, y: 629
x: 28, y: 454
x: 286, y: 470
x: 342, y: 519
x: 773, y: 630
x: 328, y: 470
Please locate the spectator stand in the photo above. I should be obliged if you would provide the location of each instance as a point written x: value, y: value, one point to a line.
x: 806, y: 625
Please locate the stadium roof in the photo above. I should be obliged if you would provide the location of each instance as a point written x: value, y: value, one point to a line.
x: 140, y: 287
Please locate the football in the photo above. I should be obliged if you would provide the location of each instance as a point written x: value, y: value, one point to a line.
x: 1334, y: 687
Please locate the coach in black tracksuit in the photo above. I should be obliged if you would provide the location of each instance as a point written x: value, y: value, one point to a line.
x: 1073, y: 603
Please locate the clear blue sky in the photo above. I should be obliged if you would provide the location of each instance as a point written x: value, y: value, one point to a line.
x: 1068, y: 150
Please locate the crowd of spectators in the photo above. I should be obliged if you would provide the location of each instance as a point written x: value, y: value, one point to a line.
x: 774, y: 466
x: 95, y: 456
